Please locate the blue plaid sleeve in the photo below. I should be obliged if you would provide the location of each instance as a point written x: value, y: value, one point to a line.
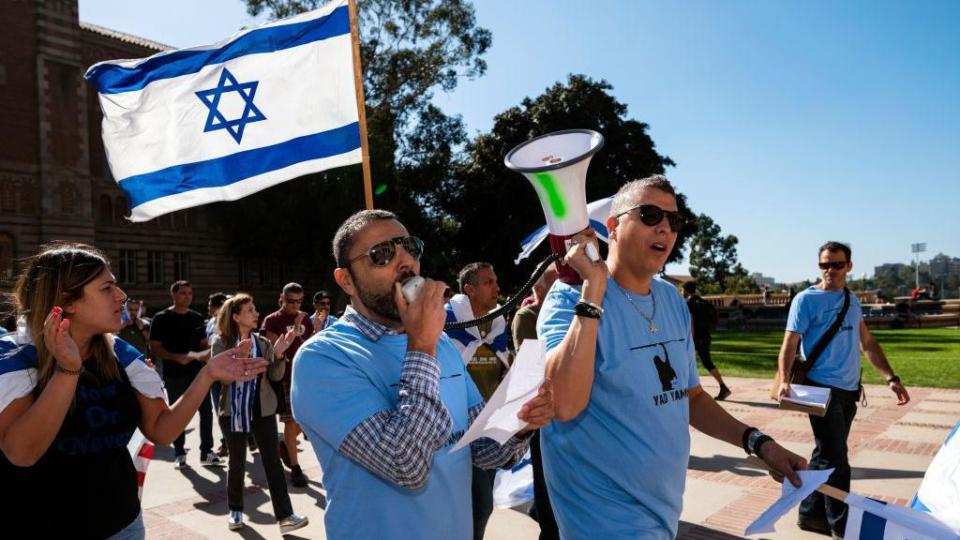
x: 489, y: 454
x: 398, y: 444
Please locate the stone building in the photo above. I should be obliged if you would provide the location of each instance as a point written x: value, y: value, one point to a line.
x: 54, y: 179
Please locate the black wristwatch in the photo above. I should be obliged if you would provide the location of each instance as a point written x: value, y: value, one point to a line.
x: 753, y: 440
x: 588, y: 310
x: 894, y: 379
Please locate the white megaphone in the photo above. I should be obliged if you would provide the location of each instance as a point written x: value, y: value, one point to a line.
x: 556, y: 164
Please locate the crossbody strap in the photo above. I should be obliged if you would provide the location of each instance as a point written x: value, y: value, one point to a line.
x: 831, y: 332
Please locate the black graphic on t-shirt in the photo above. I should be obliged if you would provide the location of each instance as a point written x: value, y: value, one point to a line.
x: 661, y: 361
x: 665, y: 371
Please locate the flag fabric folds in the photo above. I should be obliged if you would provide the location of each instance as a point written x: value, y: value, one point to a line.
x: 219, y: 122
x: 939, y: 493
x: 141, y: 452
x: 869, y: 519
x: 598, y: 212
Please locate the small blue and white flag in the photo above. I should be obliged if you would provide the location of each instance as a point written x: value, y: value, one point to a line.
x: 218, y: 122
x: 939, y: 493
x: 869, y: 519
x: 598, y: 212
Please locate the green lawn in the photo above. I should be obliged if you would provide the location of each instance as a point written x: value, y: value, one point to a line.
x: 922, y: 357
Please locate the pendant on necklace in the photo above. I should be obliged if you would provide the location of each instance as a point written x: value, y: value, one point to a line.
x: 652, y: 328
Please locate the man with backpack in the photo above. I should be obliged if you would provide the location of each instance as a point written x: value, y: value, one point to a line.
x: 826, y: 322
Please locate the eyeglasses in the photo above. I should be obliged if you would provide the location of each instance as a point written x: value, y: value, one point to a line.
x: 291, y: 301
x: 651, y: 215
x: 381, y: 254
x: 836, y: 265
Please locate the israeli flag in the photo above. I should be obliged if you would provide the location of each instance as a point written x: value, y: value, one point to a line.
x: 218, y: 122
x: 869, y: 519
x: 598, y: 211
x: 939, y: 493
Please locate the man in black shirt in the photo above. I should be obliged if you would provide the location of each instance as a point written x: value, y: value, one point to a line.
x: 178, y: 338
x: 704, y: 317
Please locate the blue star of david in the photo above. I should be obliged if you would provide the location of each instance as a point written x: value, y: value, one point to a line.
x: 216, y: 120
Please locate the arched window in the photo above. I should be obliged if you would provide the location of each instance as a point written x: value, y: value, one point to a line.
x: 8, y: 254
x: 105, y: 210
x: 120, y: 210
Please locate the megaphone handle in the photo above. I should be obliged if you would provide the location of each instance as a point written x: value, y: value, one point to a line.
x: 565, y: 272
x: 592, y: 252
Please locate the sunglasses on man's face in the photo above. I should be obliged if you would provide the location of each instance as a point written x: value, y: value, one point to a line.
x: 651, y: 215
x: 381, y: 254
x: 293, y: 301
x: 836, y: 265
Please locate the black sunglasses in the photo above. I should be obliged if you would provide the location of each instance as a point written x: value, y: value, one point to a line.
x: 381, y: 254
x: 836, y: 265
x: 651, y: 215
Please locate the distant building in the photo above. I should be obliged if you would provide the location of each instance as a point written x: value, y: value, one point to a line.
x: 54, y: 179
x: 889, y: 270
x: 677, y: 279
x: 760, y: 280
x: 942, y: 266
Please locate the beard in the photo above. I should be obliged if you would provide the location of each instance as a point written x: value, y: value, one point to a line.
x: 383, y: 303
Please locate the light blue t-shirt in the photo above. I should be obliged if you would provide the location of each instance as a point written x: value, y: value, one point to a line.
x: 812, y: 313
x: 340, y: 378
x: 618, y: 469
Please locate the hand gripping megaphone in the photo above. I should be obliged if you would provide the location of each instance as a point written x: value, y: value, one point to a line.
x: 556, y: 165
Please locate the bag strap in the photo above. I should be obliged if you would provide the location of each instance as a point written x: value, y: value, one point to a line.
x: 831, y: 332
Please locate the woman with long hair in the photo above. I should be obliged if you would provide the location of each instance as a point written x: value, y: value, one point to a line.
x: 250, y: 407
x: 72, y: 395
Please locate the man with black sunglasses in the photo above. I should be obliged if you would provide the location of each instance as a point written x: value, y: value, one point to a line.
x: 812, y: 314
x: 384, y: 395
x: 621, y: 361
x: 281, y: 321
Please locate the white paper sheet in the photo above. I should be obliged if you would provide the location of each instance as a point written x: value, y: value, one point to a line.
x: 789, y: 497
x: 814, y: 396
x: 498, y: 420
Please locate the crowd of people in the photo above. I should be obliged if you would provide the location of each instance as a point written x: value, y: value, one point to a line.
x: 383, y: 391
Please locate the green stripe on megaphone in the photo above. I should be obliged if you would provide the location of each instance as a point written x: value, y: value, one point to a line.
x: 554, y: 197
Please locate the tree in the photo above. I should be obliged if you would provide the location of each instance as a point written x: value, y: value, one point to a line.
x: 713, y: 260
x: 492, y: 208
x: 409, y: 49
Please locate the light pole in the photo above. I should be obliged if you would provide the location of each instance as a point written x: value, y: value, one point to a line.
x: 917, y: 250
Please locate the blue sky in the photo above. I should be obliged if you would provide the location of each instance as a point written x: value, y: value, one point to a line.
x: 791, y: 123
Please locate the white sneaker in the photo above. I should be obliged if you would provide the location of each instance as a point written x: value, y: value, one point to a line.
x: 235, y: 520
x: 292, y: 523
x: 212, y: 460
x: 180, y: 462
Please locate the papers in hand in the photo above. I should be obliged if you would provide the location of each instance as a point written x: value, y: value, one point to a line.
x: 789, y: 497
x: 809, y: 399
x: 498, y: 420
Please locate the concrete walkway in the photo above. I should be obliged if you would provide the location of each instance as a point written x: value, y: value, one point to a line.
x: 890, y: 449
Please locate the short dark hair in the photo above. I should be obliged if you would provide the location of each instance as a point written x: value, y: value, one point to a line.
x: 346, y: 234
x: 177, y: 284
x: 292, y: 287
x: 320, y: 295
x: 468, y: 275
x: 690, y: 287
x: 834, y: 247
x: 217, y: 299
x: 625, y: 196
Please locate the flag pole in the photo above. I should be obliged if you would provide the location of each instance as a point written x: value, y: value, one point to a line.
x: 361, y: 104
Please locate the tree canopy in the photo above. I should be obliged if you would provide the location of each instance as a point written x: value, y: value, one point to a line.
x: 713, y: 260
x: 493, y: 208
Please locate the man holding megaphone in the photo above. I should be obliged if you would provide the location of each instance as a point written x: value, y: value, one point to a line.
x: 384, y: 394
x: 621, y: 362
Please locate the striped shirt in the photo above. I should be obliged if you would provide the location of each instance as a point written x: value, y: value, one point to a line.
x: 398, y: 444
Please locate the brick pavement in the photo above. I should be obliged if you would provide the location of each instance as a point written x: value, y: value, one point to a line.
x: 890, y: 449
